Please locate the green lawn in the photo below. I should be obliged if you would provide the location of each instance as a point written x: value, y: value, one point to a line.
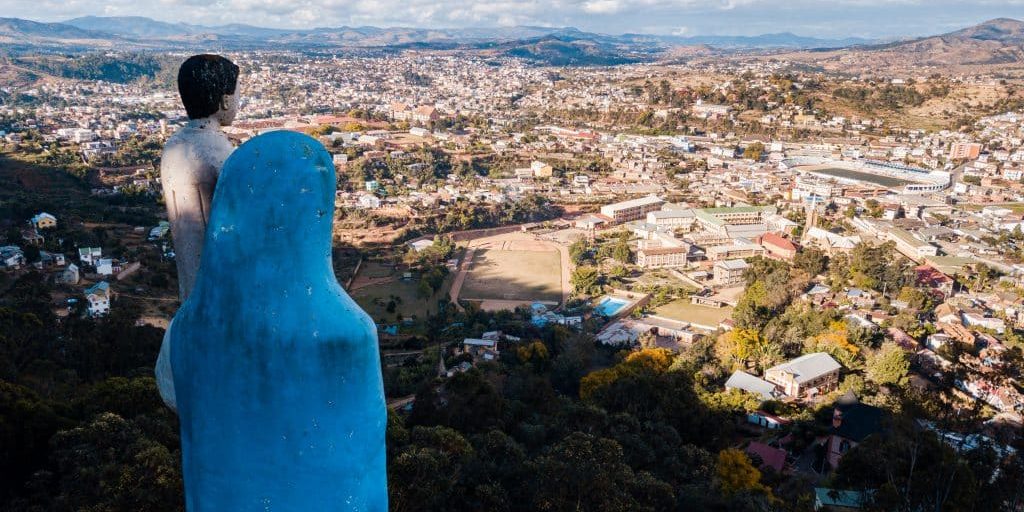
x: 373, y: 269
x: 1014, y: 207
x: 410, y: 304
x: 684, y: 311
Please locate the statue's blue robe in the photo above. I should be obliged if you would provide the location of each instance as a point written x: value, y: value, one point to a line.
x: 276, y: 369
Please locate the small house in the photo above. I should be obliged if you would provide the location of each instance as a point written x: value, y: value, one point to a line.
x: 98, y: 297
x: 44, y: 220
x: 89, y: 255
x: 852, y: 423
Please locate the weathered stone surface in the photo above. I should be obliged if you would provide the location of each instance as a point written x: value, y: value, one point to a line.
x: 191, y: 162
x: 276, y: 369
x: 189, y: 167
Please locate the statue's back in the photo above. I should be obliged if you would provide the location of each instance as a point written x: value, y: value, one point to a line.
x: 189, y: 167
x: 276, y: 369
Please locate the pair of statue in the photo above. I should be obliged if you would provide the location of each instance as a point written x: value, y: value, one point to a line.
x: 272, y: 368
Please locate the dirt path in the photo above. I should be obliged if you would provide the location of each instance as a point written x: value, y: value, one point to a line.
x: 460, y: 278
x: 566, y: 271
x: 360, y: 282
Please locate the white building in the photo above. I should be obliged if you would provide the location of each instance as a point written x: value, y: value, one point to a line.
x: 44, y: 220
x: 634, y: 209
x: 105, y: 266
x: 89, y: 255
x: 729, y: 272
x: 369, y: 201
x: 98, y: 297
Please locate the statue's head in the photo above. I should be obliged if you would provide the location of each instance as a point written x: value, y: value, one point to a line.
x: 207, y: 85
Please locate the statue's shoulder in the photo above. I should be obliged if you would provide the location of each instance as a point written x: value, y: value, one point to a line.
x: 203, y: 146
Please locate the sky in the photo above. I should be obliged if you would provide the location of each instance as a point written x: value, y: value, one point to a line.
x: 816, y: 18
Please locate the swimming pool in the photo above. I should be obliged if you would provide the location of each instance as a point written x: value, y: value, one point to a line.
x: 610, y: 306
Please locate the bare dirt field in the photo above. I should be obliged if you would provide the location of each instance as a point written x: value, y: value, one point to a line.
x: 513, y: 274
x: 513, y: 269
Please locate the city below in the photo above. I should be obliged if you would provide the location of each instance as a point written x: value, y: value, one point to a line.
x: 606, y: 272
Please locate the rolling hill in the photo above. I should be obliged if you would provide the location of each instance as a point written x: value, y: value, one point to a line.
x: 993, y: 44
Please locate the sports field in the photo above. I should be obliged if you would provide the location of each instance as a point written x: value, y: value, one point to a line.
x: 850, y: 174
x: 513, y: 275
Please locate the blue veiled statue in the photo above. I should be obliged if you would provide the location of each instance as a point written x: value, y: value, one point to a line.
x: 276, y: 369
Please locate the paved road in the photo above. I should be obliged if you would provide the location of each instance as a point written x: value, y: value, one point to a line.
x: 398, y: 403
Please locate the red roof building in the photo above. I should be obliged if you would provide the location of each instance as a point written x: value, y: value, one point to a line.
x: 774, y: 458
x: 931, y: 277
x: 778, y: 247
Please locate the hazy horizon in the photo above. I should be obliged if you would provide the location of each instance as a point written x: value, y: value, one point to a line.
x: 871, y: 19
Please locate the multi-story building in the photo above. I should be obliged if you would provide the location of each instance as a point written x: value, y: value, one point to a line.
x: 964, y: 150
x: 778, y: 247
x: 541, y: 169
x: 807, y: 375
x: 661, y: 257
x: 729, y: 272
x: 634, y: 209
x: 734, y: 251
x: 911, y: 246
x: 89, y: 255
x: 810, y: 186
x: 710, y: 110
x: 424, y: 114
x: 675, y: 219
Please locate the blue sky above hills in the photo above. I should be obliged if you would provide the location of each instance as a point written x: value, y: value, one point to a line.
x: 817, y: 18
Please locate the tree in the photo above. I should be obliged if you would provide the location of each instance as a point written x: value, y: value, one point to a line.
x: 621, y: 252
x: 889, y: 365
x: 737, y: 345
x: 424, y: 476
x: 920, y: 472
x: 811, y: 260
x: 109, y: 464
x: 736, y: 474
x: 648, y: 340
x: 835, y: 341
x: 754, y: 151
x: 915, y: 298
x: 423, y: 289
x: 579, y: 251
x: 586, y: 280
x: 585, y: 472
x: 751, y: 312
x: 534, y: 352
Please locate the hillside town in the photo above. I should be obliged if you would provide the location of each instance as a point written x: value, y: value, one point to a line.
x: 815, y: 270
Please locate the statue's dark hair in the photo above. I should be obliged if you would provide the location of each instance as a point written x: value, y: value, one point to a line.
x: 203, y: 80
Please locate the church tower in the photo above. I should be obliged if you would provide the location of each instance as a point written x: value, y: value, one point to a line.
x: 812, y: 218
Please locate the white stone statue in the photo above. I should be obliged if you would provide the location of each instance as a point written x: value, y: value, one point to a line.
x: 189, y: 168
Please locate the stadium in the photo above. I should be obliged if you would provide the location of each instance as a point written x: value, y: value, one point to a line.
x: 899, y: 178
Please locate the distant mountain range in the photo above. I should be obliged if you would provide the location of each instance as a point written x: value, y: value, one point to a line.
x: 998, y: 42
x: 137, y: 31
x: 140, y: 27
x: 993, y: 42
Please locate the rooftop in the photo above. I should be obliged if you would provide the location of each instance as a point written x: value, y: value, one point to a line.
x: 751, y: 384
x: 808, y: 367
